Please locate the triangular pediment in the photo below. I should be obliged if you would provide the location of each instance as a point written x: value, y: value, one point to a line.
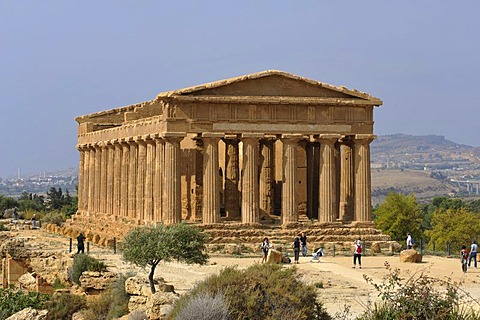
x: 271, y: 83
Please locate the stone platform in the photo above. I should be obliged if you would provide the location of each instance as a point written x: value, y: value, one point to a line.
x: 234, y: 237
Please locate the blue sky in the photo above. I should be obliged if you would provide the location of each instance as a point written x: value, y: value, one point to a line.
x: 62, y: 59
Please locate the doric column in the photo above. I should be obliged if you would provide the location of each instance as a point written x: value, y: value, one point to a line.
x: 117, y: 178
x: 103, y: 178
x: 125, y: 178
x: 363, y: 186
x: 250, y: 200
x: 171, y: 209
x: 110, y: 176
x: 132, y: 180
x: 289, y: 192
x: 83, y: 189
x: 81, y: 182
x: 327, y: 197
x: 91, y: 179
x: 158, y: 180
x: 198, y: 201
x: 266, y: 176
x: 98, y: 176
x: 346, y: 180
x: 149, y: 178
x: 141, y: 170
x: 313, y: 167
x: 211, y: 179
x: 232, y: 178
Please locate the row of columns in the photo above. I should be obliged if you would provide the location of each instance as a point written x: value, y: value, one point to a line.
x: 139, y: 178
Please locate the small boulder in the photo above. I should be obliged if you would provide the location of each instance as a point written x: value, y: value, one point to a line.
x: 274, y: 256
x: 410, y: 255
x: 29, y: 314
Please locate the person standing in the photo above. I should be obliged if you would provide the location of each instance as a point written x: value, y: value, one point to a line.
x: 303, y: 241
x: 15, y: 218
x: 81, y: 243
x: 357, y: 254
x: 296, y: 249
x: 34, y: 220
x: 409, y: 241
x: 265, y: 247
x: 473, y: 254
x: 464, y: 258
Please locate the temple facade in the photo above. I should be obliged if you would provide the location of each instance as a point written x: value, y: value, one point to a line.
x: 267, y: 144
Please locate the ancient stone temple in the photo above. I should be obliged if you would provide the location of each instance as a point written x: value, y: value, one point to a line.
x: 268, y: 144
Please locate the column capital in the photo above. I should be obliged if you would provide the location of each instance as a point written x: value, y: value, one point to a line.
x: 329, y: 136
x: 170, y: 135
x: 366, y: 138
x: 296, y: 136
x: 213, y: 135
x: 252, y: 135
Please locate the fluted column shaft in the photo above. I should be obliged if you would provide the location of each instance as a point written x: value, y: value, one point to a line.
x: 211, y: 180
x: 117, y: 178
x: 141, y: 170
x: 172, y: 210
x: 109, y: 162
x: 84, y: 188
x: 232, y: 179
x: 81, y: 179
x: 132, y: 179
x: 250, y: 200
x: 149, y: 178
x: 125, y: 179
x: 289, y: 192
x: 158, y: 180
x: 266, y: 176
x: 91, y: 180
x: 328, y: 175
x: 103, y: 178
x: 98, y: 176
x: 363, y: 186
x: 346, y: 184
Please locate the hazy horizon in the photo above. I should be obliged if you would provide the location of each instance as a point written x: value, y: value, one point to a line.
x: 62, y: 59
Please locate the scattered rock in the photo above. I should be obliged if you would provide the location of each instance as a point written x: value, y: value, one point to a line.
x: 29, y: 314
x: 410, y: 255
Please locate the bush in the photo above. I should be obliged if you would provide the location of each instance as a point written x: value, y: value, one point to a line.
x: 64, y: 305
x: 205, y: 306
x: 263, y: 291
x: 83, y: 262
x: 12, y: 301
x: 418, y: 297
x: 55, y: 217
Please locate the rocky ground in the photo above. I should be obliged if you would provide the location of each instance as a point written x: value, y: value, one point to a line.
x: 341, y: 285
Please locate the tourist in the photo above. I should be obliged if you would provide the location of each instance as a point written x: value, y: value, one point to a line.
x: 357, y: 254
x: 265, y: 247
x: 34, y: 220
x: 473, y: 254
x: 15, y: 217
x: 296, y: 249
x: 303, y: 241
x: 409, y: 241
x: 464, y: 258
x: 81, y: 243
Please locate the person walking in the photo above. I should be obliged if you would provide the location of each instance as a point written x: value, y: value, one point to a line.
x: 303, y: 241
x: 409, y: 241
x: 464, y: 258
x: 357, y: 254
x: 296, y: 249
x: 473, y: 254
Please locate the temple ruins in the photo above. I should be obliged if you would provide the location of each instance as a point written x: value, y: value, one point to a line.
x: 268, y: 146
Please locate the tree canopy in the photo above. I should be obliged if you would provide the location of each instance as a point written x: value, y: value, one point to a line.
x: 399, y: 215
x: 147, y: 246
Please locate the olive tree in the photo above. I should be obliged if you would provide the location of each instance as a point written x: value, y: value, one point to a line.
x: 147, y: 246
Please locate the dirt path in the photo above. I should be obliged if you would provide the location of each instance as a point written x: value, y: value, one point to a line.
x: 340, y: 284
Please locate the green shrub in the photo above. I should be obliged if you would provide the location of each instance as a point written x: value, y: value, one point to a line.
x: 3, y: 228
x: 83, y: 262
x: 205, y: 306
x: 64, y: 305
x: 54, y: 217
x: 263, y: 291
x: 13, y: 300
x: 418, y: 297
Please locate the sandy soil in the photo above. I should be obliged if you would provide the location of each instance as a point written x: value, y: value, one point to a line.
x: 342, y: 285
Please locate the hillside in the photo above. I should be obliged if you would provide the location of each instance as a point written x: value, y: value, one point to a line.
x: 427, y: 166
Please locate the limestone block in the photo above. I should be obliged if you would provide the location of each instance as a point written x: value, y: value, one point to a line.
x: 233, y: 249
x: 137, y: 303
x: 27, y: 281
x: 375, y: 247
x: 97, y: 280
x: 274, y: 256
x: 411, y: 256
x: 160, y: 304
x: 139, y: 285
x: 29, y: 314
